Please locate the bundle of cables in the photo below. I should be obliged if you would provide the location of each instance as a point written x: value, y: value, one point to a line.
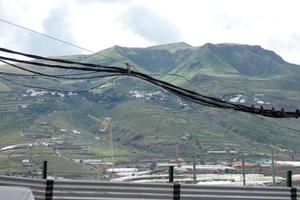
x: 97, y: 71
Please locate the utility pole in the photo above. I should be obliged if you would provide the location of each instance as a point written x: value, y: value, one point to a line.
x: 107, y: 127
x: 111, y: 146
x: 289, y: 180
x: 45, y: 169
x: 243, y: 170
x: 293, y: 156
x: 273, y: 168
x: 177, y: 151
x: 194, y: 171
x: 171, y: 174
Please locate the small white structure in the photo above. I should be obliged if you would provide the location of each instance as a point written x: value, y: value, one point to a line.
x: 166, y: 164
x: 217, y: 152
x: 16, y: 146
x: 205, y: 167
x: 260, y: 102
x: 34, y: 93
x: 25, y: 161
x: 60, y: 94
x: 287, y: 163
x: 76, y: 132
x: 128, y: 174
x: 119, y: 170
x: 236, y: 98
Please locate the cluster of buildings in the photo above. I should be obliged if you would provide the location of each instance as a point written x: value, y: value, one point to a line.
x: 156, y: 170
x: 241, y: 98
x: 35, y: 93
x: 206, y: 174
x: 149, y: 95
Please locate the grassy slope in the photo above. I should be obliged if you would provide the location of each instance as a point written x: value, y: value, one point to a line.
x: 162, y: 129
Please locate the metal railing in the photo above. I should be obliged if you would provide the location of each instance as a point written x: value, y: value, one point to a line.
x: 98, y: 190
x: 37, y: 186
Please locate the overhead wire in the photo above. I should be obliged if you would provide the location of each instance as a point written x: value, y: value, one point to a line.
x: 279, y: 126
x: 205, y: 101
x: 58, y: 90
x: 182, y: 77
x: 56, y: 76
x: 122, y: 70
x: 59, y: 40
x: 179, y: 91
x: 33, y: 75
x: 80, y: 47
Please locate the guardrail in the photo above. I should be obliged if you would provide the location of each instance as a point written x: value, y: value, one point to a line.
x: 98, y: 190
x: 38, y: 187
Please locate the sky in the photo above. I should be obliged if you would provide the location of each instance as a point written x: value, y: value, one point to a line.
x: 100, y: 24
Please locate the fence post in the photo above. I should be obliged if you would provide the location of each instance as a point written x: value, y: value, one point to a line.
x: 176, y: 191
x: 293, y: 193
x: 49, y: 189
x: 194, y: 171
x: 171, y: 174
x: 243, y: 170
x: 45, y: 170
x: 273, y: 168
x: 289, y: 179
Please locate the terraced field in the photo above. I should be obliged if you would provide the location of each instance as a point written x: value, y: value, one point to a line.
x: 159, y: 125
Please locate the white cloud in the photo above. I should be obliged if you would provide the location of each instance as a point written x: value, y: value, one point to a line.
x: 250, y: 22
x: 28, y: 13
x: 101, y: 24
x: 150, y: 25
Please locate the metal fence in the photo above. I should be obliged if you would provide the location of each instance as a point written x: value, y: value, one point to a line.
x: 38, y: 187
x: 97, y: 190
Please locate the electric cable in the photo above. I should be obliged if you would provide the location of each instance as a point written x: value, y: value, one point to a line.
x: 56, y: 76
x: 179, y: 91
x: 58, y: 90
x: 58, y: 40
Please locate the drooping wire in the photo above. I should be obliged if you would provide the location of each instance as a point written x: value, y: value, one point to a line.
x: 182, y: 77
x: 175, y: 90
x: 121, y: 70
x: 57, y: 76
x: 58, y: 90
x: 278, y: 126
x: 179, y: 91
x: 59, y: 40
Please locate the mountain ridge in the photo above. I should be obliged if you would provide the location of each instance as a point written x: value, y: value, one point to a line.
x: 150, y: 122
x: 227, y: 55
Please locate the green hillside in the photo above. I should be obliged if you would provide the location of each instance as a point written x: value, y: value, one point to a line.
x: 150, y: 123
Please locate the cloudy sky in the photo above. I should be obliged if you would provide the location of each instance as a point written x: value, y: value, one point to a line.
x: 100, y: 24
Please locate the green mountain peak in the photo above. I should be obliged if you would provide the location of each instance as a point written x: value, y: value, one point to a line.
x: 150, y: 122
x: 172, y: 47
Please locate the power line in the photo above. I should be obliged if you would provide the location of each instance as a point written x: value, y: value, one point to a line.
x: 107, y: 68
x: 279, y: 126
x: 78, y: 78
x: 58, y: 90
x: 93, y: 66
x: 184, y: 93
x: 58, y: 40
x: 80, y: 47
x: 182, y: 77
x: 57, y: 76
x: 83, y: 48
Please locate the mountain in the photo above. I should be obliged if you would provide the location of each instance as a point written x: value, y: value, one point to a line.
x: 150, y: 123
